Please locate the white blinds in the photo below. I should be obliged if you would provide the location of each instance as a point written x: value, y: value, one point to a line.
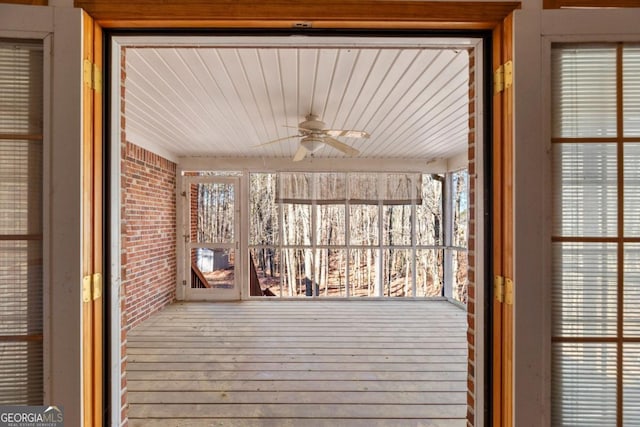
x: 585, y: 189
x: 584, y: 289
x: 584, y: 385
x: 596, y: 231
x: 357, y: 187
x: 631, y: 91
x: 584, y: 91
x: 21, y: 113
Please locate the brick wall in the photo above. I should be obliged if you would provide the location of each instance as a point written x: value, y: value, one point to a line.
x: 471, y: 276
x: 149, y: 266
x: 148, y: 236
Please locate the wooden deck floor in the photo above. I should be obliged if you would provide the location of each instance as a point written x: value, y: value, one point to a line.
x: 300, y: 363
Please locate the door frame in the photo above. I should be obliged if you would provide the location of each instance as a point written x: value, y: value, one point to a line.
x: 483, y: 51
x: 386, y: 15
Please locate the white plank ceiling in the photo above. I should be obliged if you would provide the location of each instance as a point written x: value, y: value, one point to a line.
x: 222, y: 100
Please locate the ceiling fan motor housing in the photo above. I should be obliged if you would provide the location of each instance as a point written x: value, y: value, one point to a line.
x: 312, y: 123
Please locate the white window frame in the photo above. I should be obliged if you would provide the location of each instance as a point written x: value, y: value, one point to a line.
x: 60, y: 29
x: 535, y: 31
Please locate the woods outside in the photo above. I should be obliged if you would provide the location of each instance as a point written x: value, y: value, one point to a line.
x: 345, y: 234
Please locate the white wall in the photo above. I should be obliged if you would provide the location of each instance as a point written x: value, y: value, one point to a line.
x: 60, y: 28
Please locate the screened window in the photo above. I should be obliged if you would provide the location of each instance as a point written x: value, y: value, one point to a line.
x: 596, y: 200
x: 21, y: 354
x: 353, y: 234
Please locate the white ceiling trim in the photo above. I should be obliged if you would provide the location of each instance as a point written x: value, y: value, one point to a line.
x: 318, y: 165
x: 297, y: 40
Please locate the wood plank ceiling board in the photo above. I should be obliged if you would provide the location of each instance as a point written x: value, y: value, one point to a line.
x: 208, y: 100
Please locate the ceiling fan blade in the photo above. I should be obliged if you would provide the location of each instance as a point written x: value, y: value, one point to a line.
x: 273, y: 141
x: 347, y: 133
x: 300, y: 154
x: 340, y: 146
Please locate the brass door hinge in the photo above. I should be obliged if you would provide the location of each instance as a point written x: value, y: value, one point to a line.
x: 498, y: 288
x: 508, y: 291
x: 503, y: 77
x: 92, y: 75
x: 97, y: 286
x: 86, y: 289
x: 91, y: 287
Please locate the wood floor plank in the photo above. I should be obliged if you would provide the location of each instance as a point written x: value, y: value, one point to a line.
x: 300, y: 363
x: 306, y: 367
x: 460, y: 344
x: 313, y: 397
x: 294, y: 351
x: 296, y: 422
x: 300, y: 375
x: 318, y: 385
x: 253, y: 359
x: 295, y: 410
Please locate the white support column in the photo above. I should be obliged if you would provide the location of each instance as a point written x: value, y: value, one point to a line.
x: 347, y: 237
x: 243, y: 238
x: 447, y: 229
x: 280, y: 244
x: 414, y: 254
x: 379, y: 289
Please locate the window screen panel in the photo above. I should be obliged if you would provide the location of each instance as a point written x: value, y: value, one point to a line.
x: 584, y: 387
x: 585, y: 190
x: 330, y: 225
x: 364, y: 226
x: 429, y: 272
x: 584, y: 91
x: 584, y: 290
x: 396, y: 225
x: 331, y: 187
x: 631, y: 190
x: 397, y: 272
x: 631, y: 91
x: 296, y: 225
x: 263, y: 209
x: 429, y: 227
x: 460, y: 192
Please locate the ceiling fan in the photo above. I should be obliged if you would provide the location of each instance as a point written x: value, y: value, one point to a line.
x: 314, y: 135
